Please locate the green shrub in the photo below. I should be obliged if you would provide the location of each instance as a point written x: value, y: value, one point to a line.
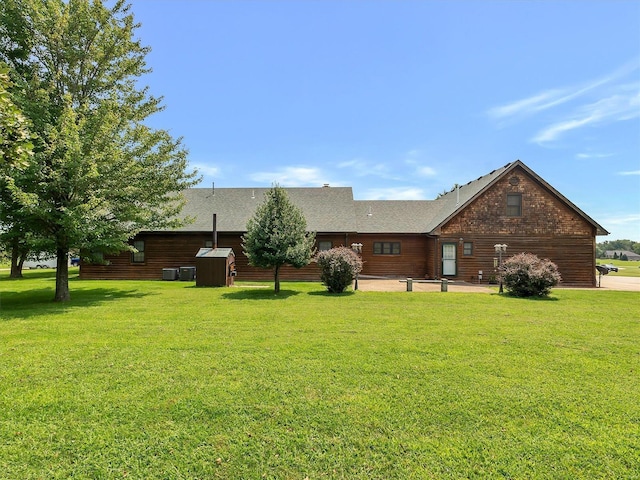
x: 338, y: 267
x: 525, y: 275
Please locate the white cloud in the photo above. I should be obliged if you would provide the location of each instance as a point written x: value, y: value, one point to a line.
x: 426, y: 171
x: 207, y: 170
x: 360, y: 167
x: 622, y: 227
x: 584, y: 156
x: 292, y: 176
x: 355, y: 163
x: 397, y: 193
x: 634, y: 172
x: 607, y: 101
x: 622, y: 106
x: 526, y: 106
x: 413, y: 158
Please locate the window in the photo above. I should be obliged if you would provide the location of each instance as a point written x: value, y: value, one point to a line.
x: 514, y: 205
x: 467, y: 248
x: 138, y: 257
x: 386, y: 248
x: 325, y: 245
x: 208, y: 244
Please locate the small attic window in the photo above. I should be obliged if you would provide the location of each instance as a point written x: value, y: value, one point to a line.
x: 514, y: 205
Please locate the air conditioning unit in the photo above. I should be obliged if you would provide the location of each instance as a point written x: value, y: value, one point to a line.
x: 170, y: 273
x: 187, y: 274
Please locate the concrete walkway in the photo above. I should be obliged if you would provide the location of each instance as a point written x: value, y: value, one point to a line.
x: 613, y: 282
x: 400, y: 285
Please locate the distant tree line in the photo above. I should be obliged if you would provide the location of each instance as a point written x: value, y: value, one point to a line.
x: 628, y: 245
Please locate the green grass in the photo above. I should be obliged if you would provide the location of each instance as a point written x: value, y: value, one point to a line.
x: 626, y: 268
x: 165, y: 380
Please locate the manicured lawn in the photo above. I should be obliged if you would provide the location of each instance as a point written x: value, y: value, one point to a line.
x: 164, y: 380
x: 626, y: 268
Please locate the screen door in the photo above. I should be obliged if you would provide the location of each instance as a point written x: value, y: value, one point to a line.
x: 448, y: 259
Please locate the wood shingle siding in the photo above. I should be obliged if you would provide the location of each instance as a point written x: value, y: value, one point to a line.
x: 540, y: 221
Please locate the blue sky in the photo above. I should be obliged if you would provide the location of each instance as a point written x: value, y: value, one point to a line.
x: 403, y: 99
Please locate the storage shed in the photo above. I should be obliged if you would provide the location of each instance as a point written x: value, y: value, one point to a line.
x: 215, y: 267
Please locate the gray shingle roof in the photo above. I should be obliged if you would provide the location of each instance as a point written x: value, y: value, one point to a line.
x: 326, y: 209
x: 456, y: 199
x: 333, y: 209
x: 396, y: 216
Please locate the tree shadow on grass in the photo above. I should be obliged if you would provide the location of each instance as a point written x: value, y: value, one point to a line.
x: 258, y: 294
x: 326, y: 293
x: 37, y: 302
x: 530, y: 299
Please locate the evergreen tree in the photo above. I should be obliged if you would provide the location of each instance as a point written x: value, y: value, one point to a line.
x: 277, y: 235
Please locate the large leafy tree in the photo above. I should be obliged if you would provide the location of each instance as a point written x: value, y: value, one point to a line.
x: 277, y: 235
x: 15, y: 139
x: 99, y: 174
x: 15, y: 150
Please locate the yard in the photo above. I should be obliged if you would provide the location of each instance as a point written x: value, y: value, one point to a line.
x: 165, y: 380
x: 626, y: 268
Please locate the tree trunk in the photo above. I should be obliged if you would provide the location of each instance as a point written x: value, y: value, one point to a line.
x: 17, y: 260
x: 277, y: 279
x: 62, y: 276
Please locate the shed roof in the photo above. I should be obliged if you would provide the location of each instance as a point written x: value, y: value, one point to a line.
x: 214, y: 253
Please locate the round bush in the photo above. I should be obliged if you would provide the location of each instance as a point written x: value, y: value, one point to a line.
x: 525, y: 275
x: 338, y: 267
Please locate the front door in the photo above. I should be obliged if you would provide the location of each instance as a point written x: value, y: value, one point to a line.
x: 448, y: 259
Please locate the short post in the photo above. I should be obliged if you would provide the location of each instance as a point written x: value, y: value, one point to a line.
x: 356, y: 247
x: 500, y: 248
x: 409, y: 284
x: 444, y: 285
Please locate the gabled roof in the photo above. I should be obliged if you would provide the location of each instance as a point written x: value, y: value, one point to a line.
x: 458, y: 199
x: 418, y: 216
x: 326, y: 209
x: 333, y: 209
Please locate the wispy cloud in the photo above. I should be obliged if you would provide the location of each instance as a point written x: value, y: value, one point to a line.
x: 622, y: 226
x: 425, y: 171
x: 604, y: 100
x: 293, y: 176
x: 634, y: 172
x: 361, y: 167
x: 415, y: 159
x: 618, y: 107
x: 624, y: 219
x: 207, y: 170
x: 585, y: 156
x: 396, y: 193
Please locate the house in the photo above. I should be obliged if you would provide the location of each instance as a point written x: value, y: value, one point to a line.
x: 452, y: 236
x: 620, y: 253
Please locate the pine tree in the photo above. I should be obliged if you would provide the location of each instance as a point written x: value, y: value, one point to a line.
x: 277, y: 235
